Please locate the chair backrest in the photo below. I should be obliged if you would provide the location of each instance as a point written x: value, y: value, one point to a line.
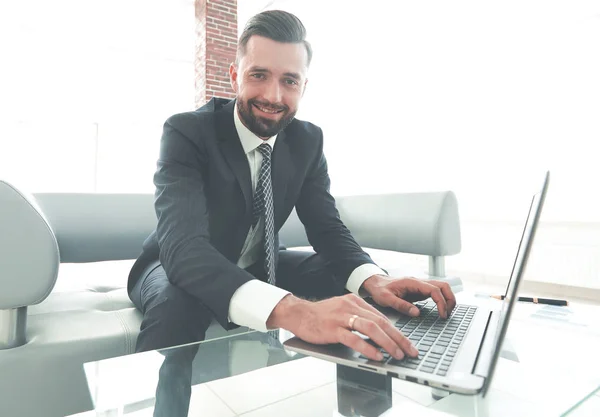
x: 39, y: 232
x: 99, y: 227
x: 102, y: 227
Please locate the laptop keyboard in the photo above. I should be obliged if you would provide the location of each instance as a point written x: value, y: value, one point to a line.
x: 436, y: 339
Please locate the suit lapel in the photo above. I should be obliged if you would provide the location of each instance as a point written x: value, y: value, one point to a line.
x: 282, y: 169
x: 233, y: 151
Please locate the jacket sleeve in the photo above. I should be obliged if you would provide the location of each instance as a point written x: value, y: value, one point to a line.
x: 190, y: 261
x: 325, y: 230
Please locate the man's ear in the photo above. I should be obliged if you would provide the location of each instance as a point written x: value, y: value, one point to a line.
x: 304, y: 89
x: 233, y: 76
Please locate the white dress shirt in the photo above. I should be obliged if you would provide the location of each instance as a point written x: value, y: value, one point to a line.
x: 252, y: 303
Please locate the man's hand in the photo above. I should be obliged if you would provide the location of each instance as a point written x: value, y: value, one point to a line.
x: 400, y: 293
x: 330, y: 321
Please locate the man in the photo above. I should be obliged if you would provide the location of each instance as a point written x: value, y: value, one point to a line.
x: 227, y: 178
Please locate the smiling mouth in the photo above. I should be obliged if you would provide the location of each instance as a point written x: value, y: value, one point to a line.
x: 267, y: 109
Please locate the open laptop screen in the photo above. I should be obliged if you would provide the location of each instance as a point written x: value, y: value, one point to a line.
x: 518, y: 271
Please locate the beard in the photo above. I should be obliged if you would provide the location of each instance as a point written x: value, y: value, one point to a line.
x: 261, y: 126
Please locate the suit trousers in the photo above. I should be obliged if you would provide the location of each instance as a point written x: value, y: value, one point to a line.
x: 174, y: 317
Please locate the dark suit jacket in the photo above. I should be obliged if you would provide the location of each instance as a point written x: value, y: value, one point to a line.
x: 203, y: 202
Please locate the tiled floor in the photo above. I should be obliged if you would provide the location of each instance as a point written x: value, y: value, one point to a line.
x: 296, y: 406
x: 316, y: 403
x: 271, y: 392
x: 313, y: 392
x: 205, y: 402
x: 251, y: 391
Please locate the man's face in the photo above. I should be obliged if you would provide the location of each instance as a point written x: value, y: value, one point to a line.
x: 269, y: 81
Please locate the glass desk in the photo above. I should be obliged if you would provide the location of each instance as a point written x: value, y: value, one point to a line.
x: 549, y: 367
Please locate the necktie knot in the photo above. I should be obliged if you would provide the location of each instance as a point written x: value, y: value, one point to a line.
x: 265, y: 150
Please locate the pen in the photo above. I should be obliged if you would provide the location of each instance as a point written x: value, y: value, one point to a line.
x: 536, y: 300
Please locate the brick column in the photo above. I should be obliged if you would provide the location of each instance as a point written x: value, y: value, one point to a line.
x: 216, y: 43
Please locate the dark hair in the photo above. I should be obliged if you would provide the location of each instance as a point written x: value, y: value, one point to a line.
x: 277, y: 25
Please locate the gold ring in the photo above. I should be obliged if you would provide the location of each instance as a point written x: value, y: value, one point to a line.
x: 351, y: 321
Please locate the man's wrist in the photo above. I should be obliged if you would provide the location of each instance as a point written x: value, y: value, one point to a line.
x: 359, y: 275
x: 372, y: 282
x: 286, y: 312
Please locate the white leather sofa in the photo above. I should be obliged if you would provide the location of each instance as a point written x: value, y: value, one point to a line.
x: 64, y: 260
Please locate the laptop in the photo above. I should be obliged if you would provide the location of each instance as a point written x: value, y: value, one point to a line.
x: 458, y: 354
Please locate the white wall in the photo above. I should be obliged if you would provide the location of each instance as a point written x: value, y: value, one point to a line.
x: 477, y: 97
x: 86, y: 86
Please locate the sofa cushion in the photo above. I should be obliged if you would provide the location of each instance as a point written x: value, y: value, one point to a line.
x: 90, y: 305
x: 89, y: 317
x: 99, y: 290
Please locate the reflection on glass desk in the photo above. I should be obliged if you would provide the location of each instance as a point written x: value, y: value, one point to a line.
x: 550, y: 368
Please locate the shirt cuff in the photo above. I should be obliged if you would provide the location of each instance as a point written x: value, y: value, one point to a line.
x: 360, y: 275
x: 252, y: 304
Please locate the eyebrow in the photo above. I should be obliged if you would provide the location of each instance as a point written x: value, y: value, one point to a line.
x: 294, y: 75
x: 258, y: 69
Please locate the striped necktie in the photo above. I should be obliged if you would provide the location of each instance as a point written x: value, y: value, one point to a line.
x: 263, y: 206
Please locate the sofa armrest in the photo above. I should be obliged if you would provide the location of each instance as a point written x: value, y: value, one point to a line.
x: 29, y: 254
x: 418, y: 223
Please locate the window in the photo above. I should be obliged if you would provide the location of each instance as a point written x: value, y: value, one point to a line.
x: 88, y: 88
x: 473, y: 97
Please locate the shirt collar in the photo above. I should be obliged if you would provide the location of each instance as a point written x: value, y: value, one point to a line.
x: 249, y: 140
